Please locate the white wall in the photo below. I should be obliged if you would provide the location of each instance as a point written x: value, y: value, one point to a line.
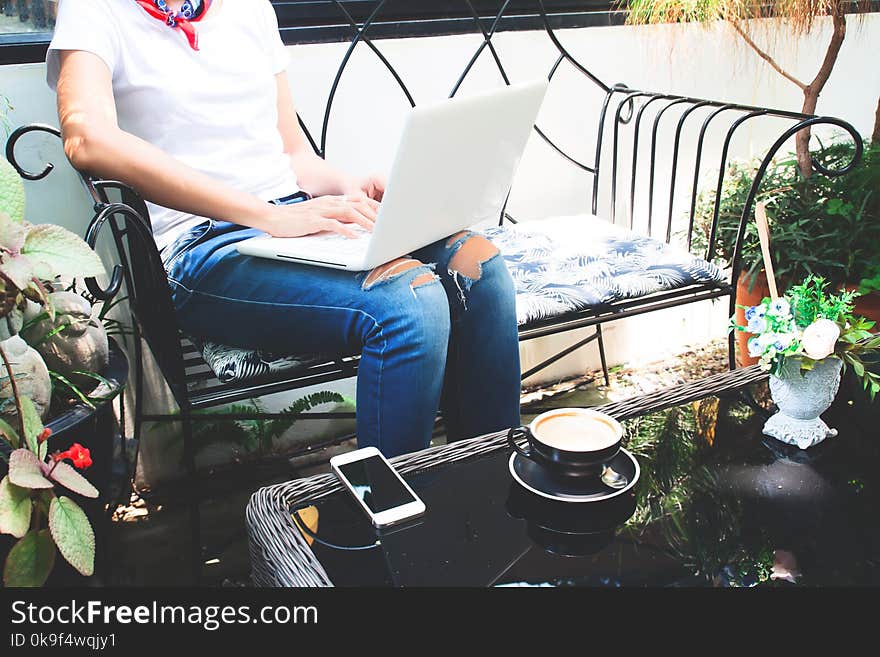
x: 687, y: 60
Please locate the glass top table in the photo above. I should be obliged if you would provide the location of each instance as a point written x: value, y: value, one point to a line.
x: 716, y: 504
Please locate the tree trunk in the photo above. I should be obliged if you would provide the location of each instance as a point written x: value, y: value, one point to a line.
x: 875, y: 136
x: 812, y: 90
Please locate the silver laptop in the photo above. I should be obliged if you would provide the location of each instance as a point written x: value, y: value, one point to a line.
x: 453, y: 168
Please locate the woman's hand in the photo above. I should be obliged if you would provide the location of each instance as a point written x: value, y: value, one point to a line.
x: 372, y: 186
x: 330, y: 213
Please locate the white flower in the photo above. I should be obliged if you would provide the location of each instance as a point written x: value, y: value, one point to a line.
x: 779, y: 308
x: 755, y: 347
x: 819, y: 339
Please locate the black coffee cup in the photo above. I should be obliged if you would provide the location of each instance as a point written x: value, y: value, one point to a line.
x: 570, y: 451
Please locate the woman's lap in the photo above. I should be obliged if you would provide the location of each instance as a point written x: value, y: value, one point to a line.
x: 419, y: 334
x: 247, y: 301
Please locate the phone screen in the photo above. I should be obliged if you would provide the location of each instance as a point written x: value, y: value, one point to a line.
x: 376, y: 484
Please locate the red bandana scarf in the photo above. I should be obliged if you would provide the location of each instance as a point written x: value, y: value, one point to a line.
x: 190, y: 12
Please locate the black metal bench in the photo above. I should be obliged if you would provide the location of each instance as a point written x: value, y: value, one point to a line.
x: 627, y: 121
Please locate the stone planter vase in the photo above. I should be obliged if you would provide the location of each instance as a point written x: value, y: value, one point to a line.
x: 801, y: 398
x: 31, y: 378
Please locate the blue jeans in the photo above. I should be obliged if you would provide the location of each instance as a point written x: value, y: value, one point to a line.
x: 449, y: 343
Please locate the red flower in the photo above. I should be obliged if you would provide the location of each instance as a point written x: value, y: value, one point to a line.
x: 44, y: 435
x: 78, y: 454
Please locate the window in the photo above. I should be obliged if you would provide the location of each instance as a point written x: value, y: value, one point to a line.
x: 303, y: 21
x: 24, y: 16
x: 26, y: 25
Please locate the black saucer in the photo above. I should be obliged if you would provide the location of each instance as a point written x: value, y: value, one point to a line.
x: 569, y: 530
x: 540, y: 481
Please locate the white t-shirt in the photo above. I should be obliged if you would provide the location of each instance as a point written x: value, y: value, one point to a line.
x: 215, y: 109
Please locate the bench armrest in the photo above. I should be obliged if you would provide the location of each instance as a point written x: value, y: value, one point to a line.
x: 632, y: 119
x: 138, y: 264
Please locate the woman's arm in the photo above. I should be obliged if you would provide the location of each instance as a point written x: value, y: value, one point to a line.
x: 314, y: 174
x: 94, y: 143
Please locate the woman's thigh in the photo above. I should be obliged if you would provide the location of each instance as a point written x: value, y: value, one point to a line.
x: 247, y: 301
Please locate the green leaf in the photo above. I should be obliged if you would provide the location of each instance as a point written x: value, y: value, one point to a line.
x: 65, y: 475
x: 104, y: 381
x: 97, y: 377
x: 33, y: 425
x: 61, y: 252
x: 51, y: 334
x: 11, y: 188
x: 15, y: 509
x: 12, y: 234
x: 73, y: 534
x: 25, y: 470
x: 834, y: 206
x: 72, y: 387
x: 38, y: 293
x: 858, y: 368
x: 30, y: 560
x: 44, y: 499
x: 19, y: 269
x: 10, y: 434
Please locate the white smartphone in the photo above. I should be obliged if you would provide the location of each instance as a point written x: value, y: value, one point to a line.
x: 376, y: 486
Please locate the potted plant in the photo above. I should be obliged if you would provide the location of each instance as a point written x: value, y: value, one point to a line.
x: 805, y: 339
x: 38, y: 507
x: 33, y: 508
x: 819, y: 225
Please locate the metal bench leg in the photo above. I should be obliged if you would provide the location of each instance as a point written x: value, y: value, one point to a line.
x: 602, y: 354
x: 731, y: 336
x: 731, y: 351
x: 596, y: 335
x: 194, y: 493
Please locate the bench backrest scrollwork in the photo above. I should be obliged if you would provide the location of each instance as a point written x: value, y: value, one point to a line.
x: 652, y: 150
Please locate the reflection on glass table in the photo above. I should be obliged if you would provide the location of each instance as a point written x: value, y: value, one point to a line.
x: 717, y: 504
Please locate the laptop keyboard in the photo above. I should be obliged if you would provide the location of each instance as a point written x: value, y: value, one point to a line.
x: 336, y: 243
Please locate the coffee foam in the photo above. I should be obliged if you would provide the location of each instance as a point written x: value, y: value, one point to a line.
x: 575, y: 432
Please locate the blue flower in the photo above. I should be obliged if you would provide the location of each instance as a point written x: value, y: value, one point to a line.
x: 757, y: 325
x: 782, y: 340
x: 756, y: 311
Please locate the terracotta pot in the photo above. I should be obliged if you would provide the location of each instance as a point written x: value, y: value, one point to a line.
x: 747, y: 298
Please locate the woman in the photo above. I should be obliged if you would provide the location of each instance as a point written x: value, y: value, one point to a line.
x: 189, y: 102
